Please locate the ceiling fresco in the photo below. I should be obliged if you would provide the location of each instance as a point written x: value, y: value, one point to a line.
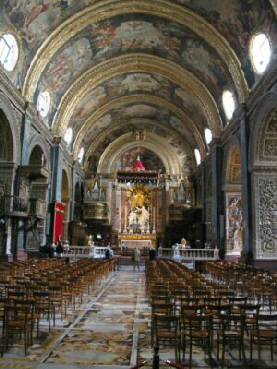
x: 192, y: 50
x: 140, y: 110
x: 137, y: 83
x: 131, y: 33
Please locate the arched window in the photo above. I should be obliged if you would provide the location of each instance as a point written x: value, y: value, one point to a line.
x: 260, y: 52
x: 8, y: 51
x: 68, y: 136
x: 228, y: 102
x: 208, y: 136
x: 43, y: 103
x: 81, y: 155
x: 197, y: 156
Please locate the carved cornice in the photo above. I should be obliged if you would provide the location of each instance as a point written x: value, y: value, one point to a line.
x: 105, y: 9
x: 116, y: 103
x: 136, y: 63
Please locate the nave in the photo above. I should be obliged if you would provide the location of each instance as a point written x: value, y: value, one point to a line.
x: 111, y: 329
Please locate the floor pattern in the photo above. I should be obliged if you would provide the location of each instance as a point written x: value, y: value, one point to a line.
x: 111, y: 329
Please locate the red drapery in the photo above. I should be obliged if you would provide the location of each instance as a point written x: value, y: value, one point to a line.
x: 58, y: 220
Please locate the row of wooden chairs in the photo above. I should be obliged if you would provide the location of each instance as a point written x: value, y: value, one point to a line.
x: 34, y: 290
x: 226, y: 318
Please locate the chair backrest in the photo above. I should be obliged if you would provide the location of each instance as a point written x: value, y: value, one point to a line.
x: 265, y: 322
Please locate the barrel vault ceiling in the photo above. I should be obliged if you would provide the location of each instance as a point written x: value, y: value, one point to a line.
x: 113, y: 68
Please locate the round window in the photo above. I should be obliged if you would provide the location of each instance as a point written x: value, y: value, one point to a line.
x: 81, y: 155
x: 43, y: 103
x: 8, y: 51
x: 197, y: 156
x: 228, y: 102
x: 68, y: 136
x: 260, y: 52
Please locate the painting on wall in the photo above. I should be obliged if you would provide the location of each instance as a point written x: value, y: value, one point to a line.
x: 234, y: 234
x: 150, y: 160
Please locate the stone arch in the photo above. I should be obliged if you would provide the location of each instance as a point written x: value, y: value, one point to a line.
x: 6, y: 139
x: 232, y: 165
x: 263, y: 164
x: 36, y: 156
x: 264, y: 132
x: 12, y: 126
x: 41, y: 149
x: 161, y: 149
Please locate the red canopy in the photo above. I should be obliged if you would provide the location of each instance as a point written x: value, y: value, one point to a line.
x: 138, y: 165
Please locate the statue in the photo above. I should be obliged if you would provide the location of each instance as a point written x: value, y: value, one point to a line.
x: 183, y: 243
x: 143, y: 218
x: 90, y: 241
x: 238, y: 238
x: 132, y: 218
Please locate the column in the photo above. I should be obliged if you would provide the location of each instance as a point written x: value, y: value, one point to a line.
x: 217, y: 198
x: 245, y: 186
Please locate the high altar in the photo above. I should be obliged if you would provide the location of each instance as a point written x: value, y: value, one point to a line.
x: 138, y: 204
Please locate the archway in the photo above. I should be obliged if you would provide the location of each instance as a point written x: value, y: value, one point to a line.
x: 6, y: 180
x: 264, y: 181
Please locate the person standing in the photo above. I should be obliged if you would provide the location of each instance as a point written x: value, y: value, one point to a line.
x: 59, y: 247
x: 136, y: 258
x: 152, y: 254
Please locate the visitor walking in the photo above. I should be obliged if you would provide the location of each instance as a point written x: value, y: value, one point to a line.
x: 136, y: 258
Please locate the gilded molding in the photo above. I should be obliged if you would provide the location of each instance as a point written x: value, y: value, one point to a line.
x: 113, y: 104
x: 136, y: 63
x: 108, y: 8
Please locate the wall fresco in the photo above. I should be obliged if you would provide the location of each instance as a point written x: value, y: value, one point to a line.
x: 150, y: 160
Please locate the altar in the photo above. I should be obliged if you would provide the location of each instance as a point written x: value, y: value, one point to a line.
x: 140, y: 241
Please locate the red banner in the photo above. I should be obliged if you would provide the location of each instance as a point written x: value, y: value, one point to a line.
x: 59, y: 208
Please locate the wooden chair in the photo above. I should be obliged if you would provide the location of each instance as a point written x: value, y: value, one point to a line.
x: 231, y: 333
x: 167, y: 332
x: 196, y: 331
x: 264, y: 334
x: 43, y: 308
x: 18, y: 320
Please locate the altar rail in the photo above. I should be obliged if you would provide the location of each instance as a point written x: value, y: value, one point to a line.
x: 188, y: 254
x: 76, y: 252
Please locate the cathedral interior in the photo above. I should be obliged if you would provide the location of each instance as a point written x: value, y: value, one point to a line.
x: 186, y: 86
x: 139, y: 123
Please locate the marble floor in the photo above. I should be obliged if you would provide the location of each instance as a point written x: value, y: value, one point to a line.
x: 111, y: 329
